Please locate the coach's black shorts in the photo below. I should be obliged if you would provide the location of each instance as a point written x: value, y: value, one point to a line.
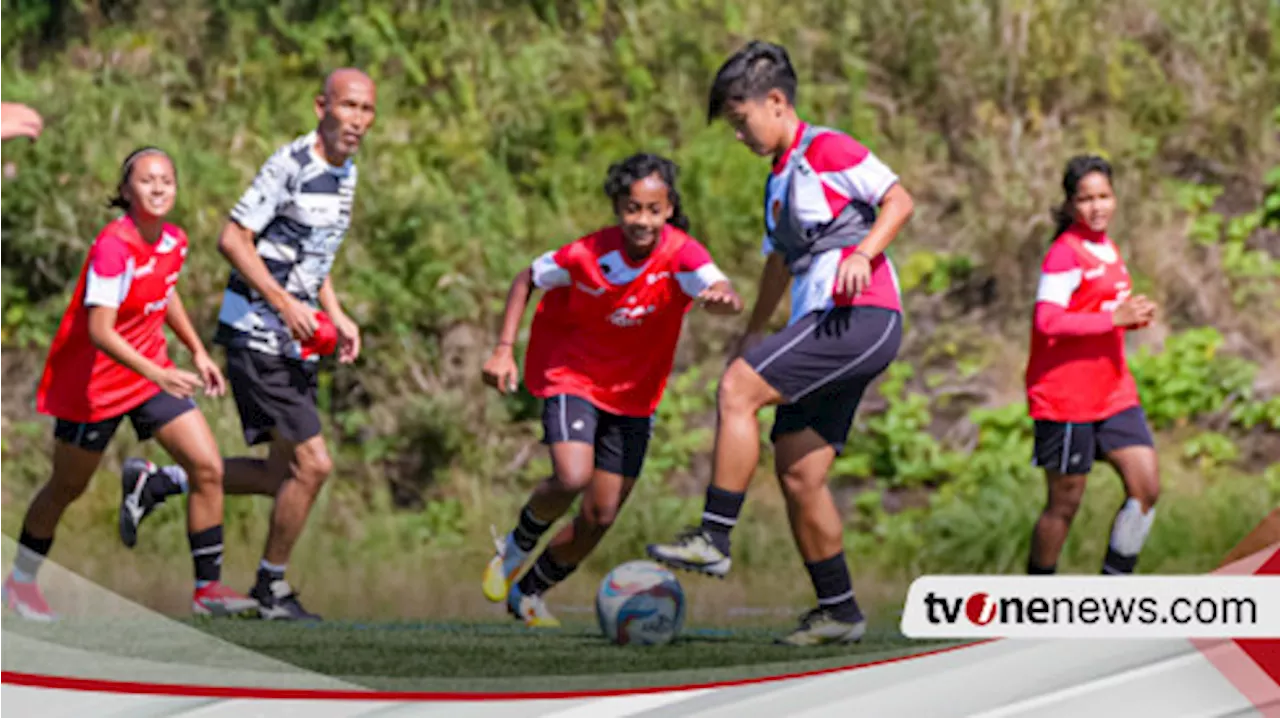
x: 822, y: 364
x: 273, y: 393
x: 146, y: 418
x: 620, y: 441
x: 1071, y: 448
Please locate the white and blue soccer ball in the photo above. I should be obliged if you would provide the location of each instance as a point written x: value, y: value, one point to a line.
x: 640, y: 603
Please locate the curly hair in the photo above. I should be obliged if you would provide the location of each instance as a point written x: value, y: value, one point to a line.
x: 622, y: 175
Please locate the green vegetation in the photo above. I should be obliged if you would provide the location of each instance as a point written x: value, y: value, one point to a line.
x: 496, y: 124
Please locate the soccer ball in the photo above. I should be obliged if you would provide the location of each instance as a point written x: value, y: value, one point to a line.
x: 640, y: 603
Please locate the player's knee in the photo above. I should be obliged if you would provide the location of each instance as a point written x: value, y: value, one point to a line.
x: 572, y: 479
x: 205, y: 474
x: 314, y: 468
x: 799, y: 484
x: 600, y: 518
x: 734, y: 393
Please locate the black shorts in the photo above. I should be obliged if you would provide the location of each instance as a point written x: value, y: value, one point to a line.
x: 147, y: 418
x: 273, y: 394
x: 822, y: 364
x: 620, y: 441
x: 1071, y: 448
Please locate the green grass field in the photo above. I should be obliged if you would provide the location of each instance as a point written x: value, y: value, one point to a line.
x: 476, y: 656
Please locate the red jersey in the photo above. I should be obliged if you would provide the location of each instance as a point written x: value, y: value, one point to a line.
x: 606, y: 330
x: 835, y: 171
x: 1077, y: 370
x: 83, y: 384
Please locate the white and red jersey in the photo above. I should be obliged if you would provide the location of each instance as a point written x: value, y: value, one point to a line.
x: 836, y: 170
x: 124, y: 272
x: 606, y: 330
x: 1077, y: 370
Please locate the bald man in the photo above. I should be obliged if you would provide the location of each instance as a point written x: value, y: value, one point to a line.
x: 281, y: 240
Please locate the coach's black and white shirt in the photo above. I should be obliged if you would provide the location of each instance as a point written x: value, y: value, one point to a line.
x: 299, y: 206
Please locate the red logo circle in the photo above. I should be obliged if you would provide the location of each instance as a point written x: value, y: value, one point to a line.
x: 980, y: 609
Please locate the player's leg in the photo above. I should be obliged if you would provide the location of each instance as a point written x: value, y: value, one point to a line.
x: 184, y: 434
x: 309, y: 465
x: 803, y: 460
x: 264, y: 391
x: 1065, y: 452
x: 569, y: 426
x: 821, y: 349
x: 77, y: 452
x: 621, y: 444
x: 1125, y: 441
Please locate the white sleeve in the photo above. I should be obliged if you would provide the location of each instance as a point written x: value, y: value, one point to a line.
x: 103, y: 291
x: 547, y: 274
x: 697, y: 281
x: 1057, y: 287
x: 867, y: 181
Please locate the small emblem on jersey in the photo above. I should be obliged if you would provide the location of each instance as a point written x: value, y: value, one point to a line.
x: 657, y: 277
x: 167, y: 243
x: 631, y: 316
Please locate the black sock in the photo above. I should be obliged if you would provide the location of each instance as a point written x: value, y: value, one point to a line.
x: 1035, y: 569
x: 1118, y: 564
x: 720, y: 514
x: 206, y: 553
x: 544, y: 574
x: 529, y: 529
x: 28, y: 561
x: 268, y: 575
x: 831, y: 581
x: 165, y: 482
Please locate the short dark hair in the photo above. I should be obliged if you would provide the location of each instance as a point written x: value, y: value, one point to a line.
x: 1078, y: 168
x: 617, y: 183
x: 750, y: 74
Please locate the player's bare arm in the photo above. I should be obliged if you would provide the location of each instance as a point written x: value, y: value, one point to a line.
x: 180, y: 322
x: 896, y: 209
x: 236, y: 244
x: 348, y: 330
x: 102, y: 332
x: 500, y: 370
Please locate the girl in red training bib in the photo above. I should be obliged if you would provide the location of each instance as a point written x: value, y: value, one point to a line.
x: 1079, y: 390
x: 108, y: 361
x: 600, y: 351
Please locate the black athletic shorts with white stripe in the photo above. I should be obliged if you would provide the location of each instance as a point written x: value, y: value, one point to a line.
x: 822, y: 365
x: 1070, y: 448
x: 620, y: 442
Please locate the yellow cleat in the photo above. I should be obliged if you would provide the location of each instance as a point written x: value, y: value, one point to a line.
x: 501, y: 572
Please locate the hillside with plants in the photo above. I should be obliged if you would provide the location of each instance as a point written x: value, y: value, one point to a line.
x: 496, y: 123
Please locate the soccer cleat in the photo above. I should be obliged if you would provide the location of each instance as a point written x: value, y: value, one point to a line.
x: 215, y: 599
x: 278, y: 601
x: 819, y: 628
x: 692, y: 550
x: 25, y: 599
x: 501, y: 572
x: 531, y: 609
x: 135, y: 501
